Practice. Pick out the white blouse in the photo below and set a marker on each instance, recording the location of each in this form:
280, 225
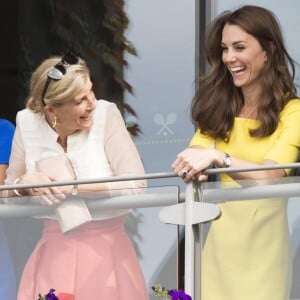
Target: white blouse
104, 150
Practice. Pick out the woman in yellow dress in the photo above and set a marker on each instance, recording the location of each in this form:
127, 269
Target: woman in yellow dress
247, 107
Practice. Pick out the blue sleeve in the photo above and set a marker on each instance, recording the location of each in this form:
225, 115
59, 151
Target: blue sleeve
7, 130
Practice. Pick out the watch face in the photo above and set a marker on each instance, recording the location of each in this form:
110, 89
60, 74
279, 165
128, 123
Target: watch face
227, 161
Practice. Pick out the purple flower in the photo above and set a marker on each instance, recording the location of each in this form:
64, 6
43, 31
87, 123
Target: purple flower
51, 295
179, 295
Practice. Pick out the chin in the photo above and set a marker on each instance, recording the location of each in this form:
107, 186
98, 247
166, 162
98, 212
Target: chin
86, 125
238, 84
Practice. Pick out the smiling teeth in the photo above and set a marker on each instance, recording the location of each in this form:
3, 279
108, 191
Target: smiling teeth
237, 69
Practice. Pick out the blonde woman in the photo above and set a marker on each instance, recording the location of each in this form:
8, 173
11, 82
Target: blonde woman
63, 119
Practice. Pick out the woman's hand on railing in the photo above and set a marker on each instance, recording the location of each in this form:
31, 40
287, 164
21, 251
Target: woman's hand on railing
44, 195
191, 163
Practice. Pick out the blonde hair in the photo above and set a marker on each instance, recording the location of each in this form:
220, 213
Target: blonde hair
58, 91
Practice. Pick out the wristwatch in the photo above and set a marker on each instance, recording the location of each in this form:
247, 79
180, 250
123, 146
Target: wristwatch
227, 161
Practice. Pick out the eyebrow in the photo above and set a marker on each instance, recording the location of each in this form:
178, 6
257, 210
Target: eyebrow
235, 43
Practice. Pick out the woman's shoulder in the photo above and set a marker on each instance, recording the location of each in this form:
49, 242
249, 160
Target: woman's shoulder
25, 112
292, 106
105, 103
105, 106
27, 115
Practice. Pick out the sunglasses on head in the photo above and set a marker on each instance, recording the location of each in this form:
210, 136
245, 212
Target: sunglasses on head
59, 70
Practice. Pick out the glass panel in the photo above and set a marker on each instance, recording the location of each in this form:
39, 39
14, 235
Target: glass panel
245, 216
155, 243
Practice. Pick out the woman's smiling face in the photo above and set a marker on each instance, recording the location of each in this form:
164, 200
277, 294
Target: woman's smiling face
243, 56
76, 114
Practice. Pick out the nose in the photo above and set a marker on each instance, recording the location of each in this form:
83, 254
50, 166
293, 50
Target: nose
229, 56
91, 101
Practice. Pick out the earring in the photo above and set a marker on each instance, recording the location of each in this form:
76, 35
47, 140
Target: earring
54, 122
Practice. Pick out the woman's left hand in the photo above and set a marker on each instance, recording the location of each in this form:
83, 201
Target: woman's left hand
44, 195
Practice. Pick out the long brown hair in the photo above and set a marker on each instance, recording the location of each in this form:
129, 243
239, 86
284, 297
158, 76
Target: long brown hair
218, 101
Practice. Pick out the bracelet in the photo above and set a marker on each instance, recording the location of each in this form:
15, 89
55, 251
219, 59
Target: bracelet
16, 192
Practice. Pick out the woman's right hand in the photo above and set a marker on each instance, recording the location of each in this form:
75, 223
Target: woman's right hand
191, 163
44, 195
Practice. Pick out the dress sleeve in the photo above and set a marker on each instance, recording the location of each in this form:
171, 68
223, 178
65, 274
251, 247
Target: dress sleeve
121, 152
286, 147
202, 140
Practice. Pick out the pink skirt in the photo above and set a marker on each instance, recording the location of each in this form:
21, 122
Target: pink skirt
95, 261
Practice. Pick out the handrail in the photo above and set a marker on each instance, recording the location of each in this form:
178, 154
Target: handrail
215, 195
284, 190
116, 202
89, 181
159, 175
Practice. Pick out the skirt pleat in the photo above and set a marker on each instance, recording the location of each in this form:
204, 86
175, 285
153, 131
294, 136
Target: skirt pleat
95, 261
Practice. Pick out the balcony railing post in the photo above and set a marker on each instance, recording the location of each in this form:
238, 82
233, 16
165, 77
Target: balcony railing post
189, 241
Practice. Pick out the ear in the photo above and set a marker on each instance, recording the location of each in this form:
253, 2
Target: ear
48, 110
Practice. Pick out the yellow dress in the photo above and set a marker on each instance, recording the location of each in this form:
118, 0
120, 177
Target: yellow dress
246, 255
